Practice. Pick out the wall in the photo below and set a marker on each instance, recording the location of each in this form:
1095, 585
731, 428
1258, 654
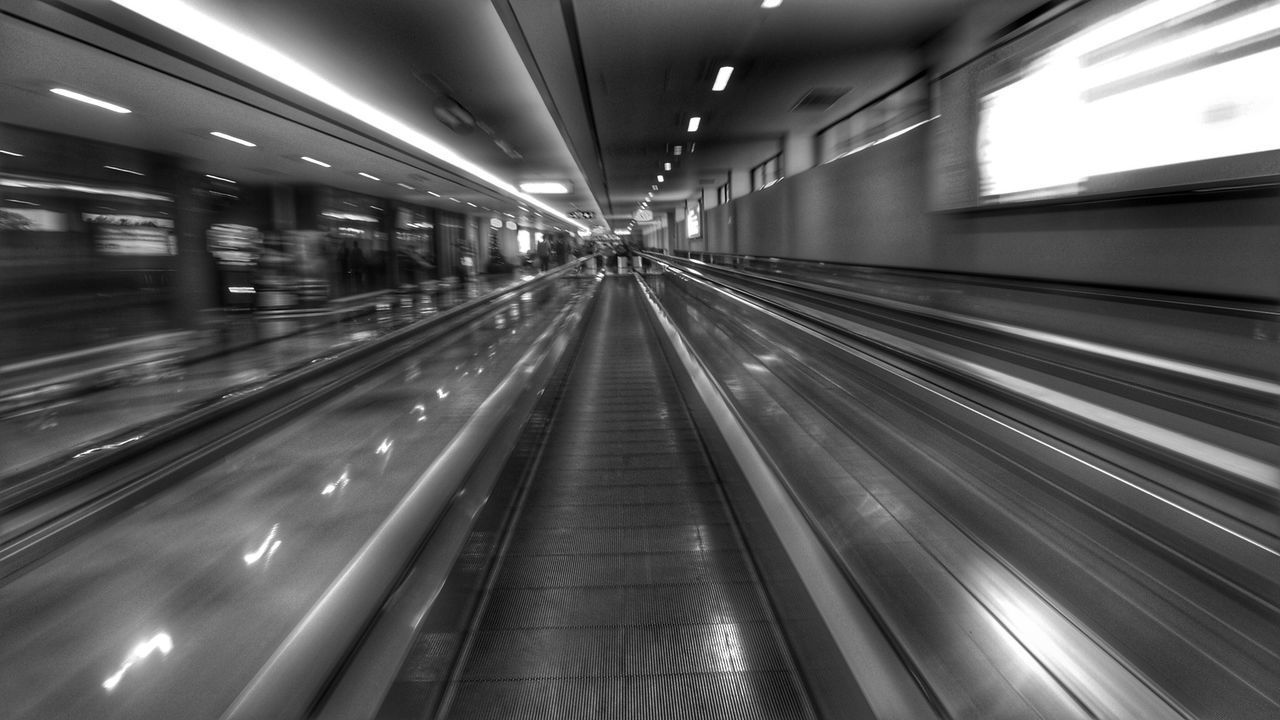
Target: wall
869, 209
874, 208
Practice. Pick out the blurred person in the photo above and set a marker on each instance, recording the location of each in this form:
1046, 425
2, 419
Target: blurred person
544, 255
355, 264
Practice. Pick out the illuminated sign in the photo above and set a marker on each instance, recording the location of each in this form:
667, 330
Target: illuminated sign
131, 234
1160, 84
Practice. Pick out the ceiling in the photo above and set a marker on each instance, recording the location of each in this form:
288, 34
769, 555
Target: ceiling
592, 93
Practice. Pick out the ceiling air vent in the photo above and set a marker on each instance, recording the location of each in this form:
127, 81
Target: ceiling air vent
820, 98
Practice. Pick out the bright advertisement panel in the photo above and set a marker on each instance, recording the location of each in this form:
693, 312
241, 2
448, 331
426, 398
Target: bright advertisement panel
1165, 82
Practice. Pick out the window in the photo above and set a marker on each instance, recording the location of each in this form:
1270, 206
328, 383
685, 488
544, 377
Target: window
903, 108
766, 173
722, 194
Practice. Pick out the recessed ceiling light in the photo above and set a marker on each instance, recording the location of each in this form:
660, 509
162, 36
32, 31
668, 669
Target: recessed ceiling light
661, 179
544, 188
678, 150
666, 166
722, 78
90, 100
371, 177
232, 138
694, 123
314, 161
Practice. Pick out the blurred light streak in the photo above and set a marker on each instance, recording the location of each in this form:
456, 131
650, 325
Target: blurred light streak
124, 170
266, 549
161, 642
85, 189
338, 484
109, 446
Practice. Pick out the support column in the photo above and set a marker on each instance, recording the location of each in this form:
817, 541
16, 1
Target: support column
195, 272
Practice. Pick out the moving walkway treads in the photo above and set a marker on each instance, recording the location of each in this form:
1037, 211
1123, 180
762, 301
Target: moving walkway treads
624, 590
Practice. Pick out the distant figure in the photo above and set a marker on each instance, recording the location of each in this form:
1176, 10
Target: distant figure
355, 261
544, 256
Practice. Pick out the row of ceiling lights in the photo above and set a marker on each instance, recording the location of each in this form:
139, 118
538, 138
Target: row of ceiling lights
120, 109
183, 18
695, 122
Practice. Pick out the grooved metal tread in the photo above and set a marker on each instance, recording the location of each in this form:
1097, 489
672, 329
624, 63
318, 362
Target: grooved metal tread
624, 590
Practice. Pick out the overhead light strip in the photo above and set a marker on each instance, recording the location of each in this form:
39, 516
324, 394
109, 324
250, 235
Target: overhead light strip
13, 154
232, 138
186, 20
72, 94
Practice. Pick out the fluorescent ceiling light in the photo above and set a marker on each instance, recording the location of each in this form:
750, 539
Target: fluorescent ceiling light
678, 150
215, 177
666, 166
433, 194
694, 122
406, 187
544, 188
770, 3
123, 170
314, 161
232, 138
22, 202
181, 17
90, 100
14, 154
371, 177
722, 78
661, 179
